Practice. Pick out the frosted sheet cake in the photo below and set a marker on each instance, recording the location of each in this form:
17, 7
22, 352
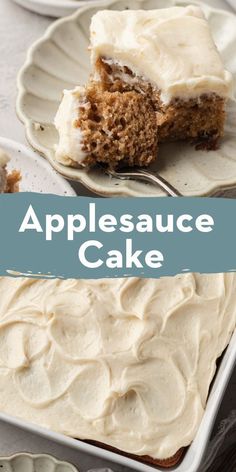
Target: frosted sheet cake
167, 60
124, 362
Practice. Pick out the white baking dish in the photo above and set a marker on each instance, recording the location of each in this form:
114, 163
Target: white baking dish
195, 452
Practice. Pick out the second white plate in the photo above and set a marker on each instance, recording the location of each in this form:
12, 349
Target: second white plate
61, 60
56, 8
37, 175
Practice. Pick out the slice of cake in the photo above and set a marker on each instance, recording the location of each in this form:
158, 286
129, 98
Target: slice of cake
9, 182
170, 56
97, 126
156, 76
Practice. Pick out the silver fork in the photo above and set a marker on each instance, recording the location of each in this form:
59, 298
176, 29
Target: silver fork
141, 174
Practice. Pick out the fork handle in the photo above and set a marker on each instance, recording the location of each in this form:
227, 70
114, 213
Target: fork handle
156, 179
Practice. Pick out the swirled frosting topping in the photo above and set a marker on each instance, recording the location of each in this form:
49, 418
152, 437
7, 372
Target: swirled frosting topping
172, 48
127, 362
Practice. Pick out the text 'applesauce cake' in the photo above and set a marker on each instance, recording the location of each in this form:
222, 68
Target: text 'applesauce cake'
9, 181
156, 76
124, 362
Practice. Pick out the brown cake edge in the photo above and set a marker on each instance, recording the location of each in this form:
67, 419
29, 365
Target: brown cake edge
166, 463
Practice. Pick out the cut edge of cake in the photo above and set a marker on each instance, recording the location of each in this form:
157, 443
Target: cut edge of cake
100, 126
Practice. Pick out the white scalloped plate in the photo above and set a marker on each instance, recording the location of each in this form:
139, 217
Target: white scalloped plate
60, 60
56, 8
34, 463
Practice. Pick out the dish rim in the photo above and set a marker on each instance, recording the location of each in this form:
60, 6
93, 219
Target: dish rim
64, 3
195, 451
32, 455
214, 188
53, 9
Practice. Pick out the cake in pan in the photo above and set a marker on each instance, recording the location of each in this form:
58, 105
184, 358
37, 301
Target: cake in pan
123, 362
148, 66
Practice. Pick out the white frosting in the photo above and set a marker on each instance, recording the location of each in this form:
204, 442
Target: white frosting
127, 362
172, 48
69, 147
4, 158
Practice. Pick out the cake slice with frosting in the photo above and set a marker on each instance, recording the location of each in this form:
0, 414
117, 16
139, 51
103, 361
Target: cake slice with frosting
156, 76
170, 56
111, 128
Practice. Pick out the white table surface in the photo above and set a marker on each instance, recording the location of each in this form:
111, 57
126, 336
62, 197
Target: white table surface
18, 29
